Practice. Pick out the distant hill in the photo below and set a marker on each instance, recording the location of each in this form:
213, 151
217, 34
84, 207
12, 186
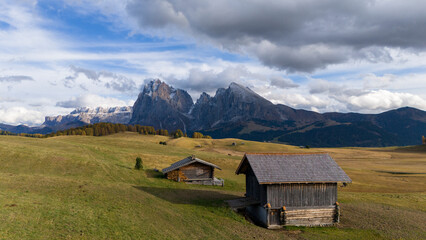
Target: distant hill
25, 129
239, 112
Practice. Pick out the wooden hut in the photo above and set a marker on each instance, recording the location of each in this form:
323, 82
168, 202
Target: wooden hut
292, 189
193, 170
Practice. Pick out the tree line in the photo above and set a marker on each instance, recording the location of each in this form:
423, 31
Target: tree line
104, 129
35, 135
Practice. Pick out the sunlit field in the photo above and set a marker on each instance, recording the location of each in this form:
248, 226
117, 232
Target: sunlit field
80, 187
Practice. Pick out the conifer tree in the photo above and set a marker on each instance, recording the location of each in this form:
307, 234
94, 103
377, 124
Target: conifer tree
139, 164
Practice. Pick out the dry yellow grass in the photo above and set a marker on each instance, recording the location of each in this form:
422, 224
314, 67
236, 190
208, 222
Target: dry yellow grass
77, 187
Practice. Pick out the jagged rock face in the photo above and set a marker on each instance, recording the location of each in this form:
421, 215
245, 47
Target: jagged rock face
162, 106
239, 112
81, 116
236, 103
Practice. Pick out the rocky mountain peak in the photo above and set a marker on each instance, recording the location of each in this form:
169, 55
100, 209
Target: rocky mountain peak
242, 93
237, 111
204, 97
157, 88
162, 106
238, 87
233, 104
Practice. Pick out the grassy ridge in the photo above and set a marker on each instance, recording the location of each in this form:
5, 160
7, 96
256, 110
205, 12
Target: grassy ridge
76, 187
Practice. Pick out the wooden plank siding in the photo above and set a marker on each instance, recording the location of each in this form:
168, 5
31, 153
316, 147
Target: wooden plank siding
197, 171
306, 216
253, 189
302, 194
252, 185
292, 189
310, 217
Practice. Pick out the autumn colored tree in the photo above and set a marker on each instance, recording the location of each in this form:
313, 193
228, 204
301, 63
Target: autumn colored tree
197, 135
178, 133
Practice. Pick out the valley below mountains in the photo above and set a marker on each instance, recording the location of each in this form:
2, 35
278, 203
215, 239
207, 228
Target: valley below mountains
239, 112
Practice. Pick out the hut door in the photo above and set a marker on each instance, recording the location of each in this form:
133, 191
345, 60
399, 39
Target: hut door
274, 217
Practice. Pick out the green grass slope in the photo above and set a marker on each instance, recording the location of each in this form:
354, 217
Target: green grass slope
78, 187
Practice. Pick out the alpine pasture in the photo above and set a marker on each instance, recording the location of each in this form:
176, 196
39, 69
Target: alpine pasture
81, 187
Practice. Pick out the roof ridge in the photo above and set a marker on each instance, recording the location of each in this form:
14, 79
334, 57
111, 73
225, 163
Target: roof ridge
277, 168
311, 153
186, 161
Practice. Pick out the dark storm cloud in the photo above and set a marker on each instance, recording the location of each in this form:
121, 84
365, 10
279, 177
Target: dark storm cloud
300, 35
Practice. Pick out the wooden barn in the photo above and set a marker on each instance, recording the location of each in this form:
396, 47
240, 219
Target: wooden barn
193, 170
292, 189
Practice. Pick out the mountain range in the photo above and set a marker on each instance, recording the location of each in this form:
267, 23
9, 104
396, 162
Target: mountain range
239, 112
78, 117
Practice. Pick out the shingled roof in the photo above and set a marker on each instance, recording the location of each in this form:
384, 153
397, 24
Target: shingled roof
187, 161
270, 168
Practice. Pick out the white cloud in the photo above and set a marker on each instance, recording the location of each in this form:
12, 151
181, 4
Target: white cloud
283, 83
210, 80
296, 100
384, 100
91, 101
366, 96
37, 53
17, 78
321, 86
20, 115
207, 79
110, 80
372, 81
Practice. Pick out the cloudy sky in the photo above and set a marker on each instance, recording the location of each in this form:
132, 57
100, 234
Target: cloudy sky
364, 56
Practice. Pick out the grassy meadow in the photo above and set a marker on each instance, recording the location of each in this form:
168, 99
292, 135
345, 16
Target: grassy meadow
80, 187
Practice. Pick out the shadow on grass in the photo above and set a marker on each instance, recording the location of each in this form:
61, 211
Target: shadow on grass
123, 166
416, 148
398, 173
151, 173
208, 198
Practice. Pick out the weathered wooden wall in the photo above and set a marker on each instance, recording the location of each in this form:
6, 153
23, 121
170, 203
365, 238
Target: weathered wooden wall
310, 217
302, 194
304, 216
306, 204
252, 185
254, 189
197, 171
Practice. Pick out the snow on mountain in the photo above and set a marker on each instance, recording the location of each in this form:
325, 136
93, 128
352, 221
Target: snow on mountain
87, 115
